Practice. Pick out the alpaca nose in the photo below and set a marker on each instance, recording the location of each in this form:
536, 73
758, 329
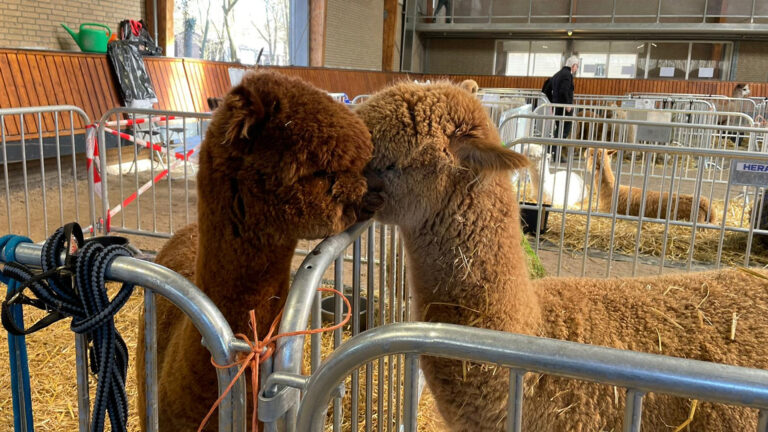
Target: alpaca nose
374, 180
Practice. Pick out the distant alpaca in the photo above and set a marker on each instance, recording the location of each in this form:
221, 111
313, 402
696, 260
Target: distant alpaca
630, 200
470, 85
741, 91
446, 187
553, 183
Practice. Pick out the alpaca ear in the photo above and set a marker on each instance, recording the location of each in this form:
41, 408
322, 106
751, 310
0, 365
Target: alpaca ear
611, 152
244, 110
483, 156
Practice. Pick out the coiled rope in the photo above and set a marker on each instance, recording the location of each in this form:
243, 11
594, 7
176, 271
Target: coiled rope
77, 290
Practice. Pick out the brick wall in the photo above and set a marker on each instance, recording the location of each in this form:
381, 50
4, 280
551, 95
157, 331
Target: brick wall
37, 23
354, 31
752, 62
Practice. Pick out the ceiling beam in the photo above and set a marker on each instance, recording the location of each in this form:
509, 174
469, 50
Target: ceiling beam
633, 31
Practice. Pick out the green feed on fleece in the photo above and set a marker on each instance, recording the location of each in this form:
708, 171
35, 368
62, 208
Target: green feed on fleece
535, 269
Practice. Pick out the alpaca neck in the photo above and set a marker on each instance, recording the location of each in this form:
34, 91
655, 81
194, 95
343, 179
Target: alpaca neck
466, 263
241, 273
605, 184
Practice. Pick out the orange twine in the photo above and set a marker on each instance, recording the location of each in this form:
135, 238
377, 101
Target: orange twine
256, 357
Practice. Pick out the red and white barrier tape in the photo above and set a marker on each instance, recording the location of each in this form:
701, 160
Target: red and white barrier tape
131, 122
92, 160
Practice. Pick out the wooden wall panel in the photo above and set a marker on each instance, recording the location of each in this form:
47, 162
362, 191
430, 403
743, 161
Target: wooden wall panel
206, 79
40, 78
31, 78
170, 83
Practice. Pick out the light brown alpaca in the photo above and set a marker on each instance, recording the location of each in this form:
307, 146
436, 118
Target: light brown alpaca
446, 186
470, 85
630, 200
280, 161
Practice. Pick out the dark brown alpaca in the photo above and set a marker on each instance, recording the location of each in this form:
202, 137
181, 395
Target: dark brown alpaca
281, 161
630, 199
446, 186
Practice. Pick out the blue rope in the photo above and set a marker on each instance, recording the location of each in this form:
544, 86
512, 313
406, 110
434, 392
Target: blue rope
17, 345
77, 290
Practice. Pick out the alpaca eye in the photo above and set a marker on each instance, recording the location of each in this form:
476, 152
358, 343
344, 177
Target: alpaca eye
320, 174
390, 167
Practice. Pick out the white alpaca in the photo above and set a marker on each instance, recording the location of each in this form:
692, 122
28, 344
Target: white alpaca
552, 184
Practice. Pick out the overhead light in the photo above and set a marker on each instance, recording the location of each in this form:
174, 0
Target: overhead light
570, 32
544, 46
640, 46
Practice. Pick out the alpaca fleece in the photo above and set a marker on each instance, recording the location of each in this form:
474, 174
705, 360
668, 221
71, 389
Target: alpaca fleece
630, 199
280, 161
446, 186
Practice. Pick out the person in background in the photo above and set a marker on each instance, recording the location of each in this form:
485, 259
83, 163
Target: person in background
562, 93
443, 4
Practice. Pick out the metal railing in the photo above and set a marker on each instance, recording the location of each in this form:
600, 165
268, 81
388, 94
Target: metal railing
162, 148
639, 373
696, 172
376, 283
44, 136
217, 335
499, 11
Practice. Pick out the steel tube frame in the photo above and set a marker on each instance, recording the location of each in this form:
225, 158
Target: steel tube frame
276, 400
101, 133
201, 311
639, 372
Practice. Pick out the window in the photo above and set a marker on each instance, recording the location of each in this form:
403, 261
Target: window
547, 57
618, 59
529, 58
517, 64
545, 64
593, 65
709, 61
668, 60
201, 30
622, 66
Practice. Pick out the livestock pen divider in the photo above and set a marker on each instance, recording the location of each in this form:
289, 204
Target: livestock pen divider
654, 166
172, 154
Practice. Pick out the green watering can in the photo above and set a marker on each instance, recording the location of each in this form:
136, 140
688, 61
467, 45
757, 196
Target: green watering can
89, 39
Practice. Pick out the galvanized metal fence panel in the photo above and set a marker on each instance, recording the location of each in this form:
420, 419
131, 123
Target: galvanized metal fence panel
639, 373
599, 100
369, 259
748, 106
373, 278
148, 160
680, 180
45, 174
383, 399
217, 336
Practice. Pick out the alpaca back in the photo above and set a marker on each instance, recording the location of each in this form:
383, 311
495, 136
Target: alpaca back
693, 320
